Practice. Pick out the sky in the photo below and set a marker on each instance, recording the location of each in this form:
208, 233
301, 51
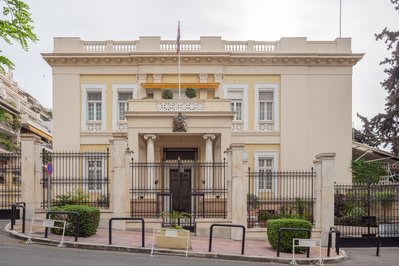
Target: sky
260, 20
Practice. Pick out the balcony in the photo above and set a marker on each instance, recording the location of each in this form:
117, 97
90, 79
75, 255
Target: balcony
154, 105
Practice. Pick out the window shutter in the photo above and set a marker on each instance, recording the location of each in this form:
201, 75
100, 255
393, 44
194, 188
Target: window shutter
94, 96
266, 96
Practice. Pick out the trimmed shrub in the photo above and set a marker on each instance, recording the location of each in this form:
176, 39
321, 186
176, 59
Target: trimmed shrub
286, 237
89, 220
190, 93
167, 94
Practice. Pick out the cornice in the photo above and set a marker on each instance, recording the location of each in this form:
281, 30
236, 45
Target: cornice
200, 59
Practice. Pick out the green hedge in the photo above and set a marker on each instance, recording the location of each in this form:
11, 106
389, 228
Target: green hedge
286, 237
89, 219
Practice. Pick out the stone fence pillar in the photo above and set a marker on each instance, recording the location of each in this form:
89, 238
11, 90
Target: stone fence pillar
31, 173
239, 187
324, 193
119, 179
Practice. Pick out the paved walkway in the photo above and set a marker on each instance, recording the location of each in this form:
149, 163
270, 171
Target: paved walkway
256, 250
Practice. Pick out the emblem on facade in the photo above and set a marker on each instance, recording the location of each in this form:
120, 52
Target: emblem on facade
179, 123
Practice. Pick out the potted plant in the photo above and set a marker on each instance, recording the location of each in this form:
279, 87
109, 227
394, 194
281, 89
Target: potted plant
173, 236
167, 94
190, 93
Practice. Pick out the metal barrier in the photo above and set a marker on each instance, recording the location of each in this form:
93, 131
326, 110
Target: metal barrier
77, 220
14, 208
126, 219
337, 233
228, 225
291, 229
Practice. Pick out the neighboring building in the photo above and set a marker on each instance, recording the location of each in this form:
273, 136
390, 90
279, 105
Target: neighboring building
287, 100
389, 161
21, 113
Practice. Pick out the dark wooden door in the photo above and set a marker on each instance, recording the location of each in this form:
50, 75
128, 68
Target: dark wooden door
180, 188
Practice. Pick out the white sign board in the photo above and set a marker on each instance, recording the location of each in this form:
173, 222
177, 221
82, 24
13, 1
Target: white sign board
307, 243
48, 223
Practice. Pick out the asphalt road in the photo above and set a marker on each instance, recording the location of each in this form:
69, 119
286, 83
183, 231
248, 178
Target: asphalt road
14, 252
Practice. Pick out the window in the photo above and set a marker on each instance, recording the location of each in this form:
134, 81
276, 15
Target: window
121, 94
236, 106
123, 98
265, 173
95, 175
266, 106
238, 93
150, 93
266, 163
94, 106
266, 117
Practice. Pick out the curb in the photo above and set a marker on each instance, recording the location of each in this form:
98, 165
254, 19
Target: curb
342, 257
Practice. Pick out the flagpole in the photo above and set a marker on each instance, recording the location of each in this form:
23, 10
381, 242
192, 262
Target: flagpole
178, 52
179, 73
340, 17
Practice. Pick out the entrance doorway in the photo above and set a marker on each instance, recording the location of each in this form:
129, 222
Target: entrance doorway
180, 180
180, 188
180, 177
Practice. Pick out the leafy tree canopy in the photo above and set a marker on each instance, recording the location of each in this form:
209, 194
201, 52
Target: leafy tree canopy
15, 25
385, 126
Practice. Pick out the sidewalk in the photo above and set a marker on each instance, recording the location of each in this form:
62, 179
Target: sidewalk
255, 250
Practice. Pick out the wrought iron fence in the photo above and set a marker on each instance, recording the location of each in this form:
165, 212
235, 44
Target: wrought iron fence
196, 188
279, 194
80, 178
10, 181
367, 210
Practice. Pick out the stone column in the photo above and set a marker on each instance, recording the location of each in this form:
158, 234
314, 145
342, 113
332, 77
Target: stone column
119, 187
150, 147
31, 173
150, 160
239, 189
324, 194
208, 159
208, 147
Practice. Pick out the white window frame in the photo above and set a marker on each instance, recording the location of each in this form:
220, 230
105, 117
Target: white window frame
116, 88
266, 155
86, 173
243, 88
267, 87
235, 104
86, 88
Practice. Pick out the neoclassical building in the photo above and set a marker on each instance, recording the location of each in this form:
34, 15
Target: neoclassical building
286, 100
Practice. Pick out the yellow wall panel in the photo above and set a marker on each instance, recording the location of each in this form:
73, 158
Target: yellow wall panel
251, 80
93, 147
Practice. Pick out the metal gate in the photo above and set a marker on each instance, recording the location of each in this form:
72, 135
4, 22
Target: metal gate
78, 178
279, 194
366, 213
10, 182
196, 188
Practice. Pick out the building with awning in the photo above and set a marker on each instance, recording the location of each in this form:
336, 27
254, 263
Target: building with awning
390, 162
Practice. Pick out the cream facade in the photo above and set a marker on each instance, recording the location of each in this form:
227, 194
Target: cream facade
287, 101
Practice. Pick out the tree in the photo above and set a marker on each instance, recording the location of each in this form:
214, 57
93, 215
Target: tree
386, 125
366, 135
15, 25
